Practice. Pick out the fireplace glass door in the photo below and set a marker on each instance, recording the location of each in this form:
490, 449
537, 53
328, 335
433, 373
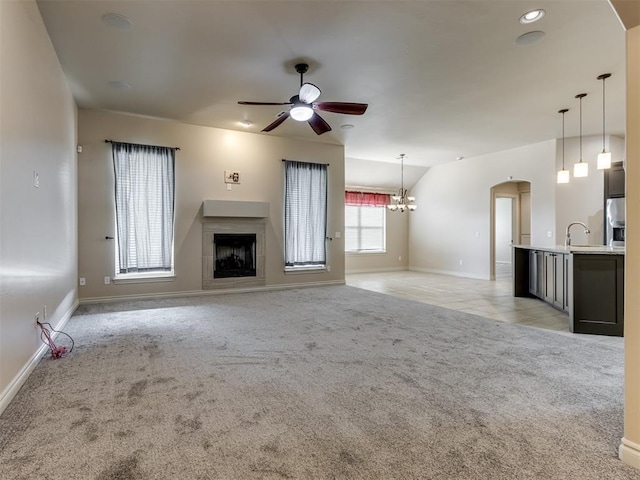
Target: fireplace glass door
235, 255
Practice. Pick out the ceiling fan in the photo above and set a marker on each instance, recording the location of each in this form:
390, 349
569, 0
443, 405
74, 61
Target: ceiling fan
304, 103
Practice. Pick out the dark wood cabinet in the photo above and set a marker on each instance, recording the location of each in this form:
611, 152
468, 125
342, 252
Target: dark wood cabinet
598, 294
559, 291
614, 181
554, 279
549, 277
587, 286
567, 277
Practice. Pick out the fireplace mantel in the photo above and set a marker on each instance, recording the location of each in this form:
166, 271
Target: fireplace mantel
235, 209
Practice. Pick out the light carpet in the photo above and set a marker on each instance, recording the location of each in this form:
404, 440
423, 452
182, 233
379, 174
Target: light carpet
315, 383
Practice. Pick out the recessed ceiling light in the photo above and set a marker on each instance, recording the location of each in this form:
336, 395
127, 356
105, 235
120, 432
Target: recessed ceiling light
118, 85
529, 38
532, 16
459, 158
116, 20
346, 126
246, 123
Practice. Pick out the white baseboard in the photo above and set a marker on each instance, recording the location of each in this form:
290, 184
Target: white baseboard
200, 293
629, 453
15, 385
374, 270
477, 276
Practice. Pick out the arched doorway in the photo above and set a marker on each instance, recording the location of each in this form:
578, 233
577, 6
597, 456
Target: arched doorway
510, 224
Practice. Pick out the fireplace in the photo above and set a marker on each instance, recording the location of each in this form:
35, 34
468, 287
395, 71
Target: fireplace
233, 252
235, 255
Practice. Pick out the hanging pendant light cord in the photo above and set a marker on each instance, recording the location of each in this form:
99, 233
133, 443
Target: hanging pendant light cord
402, 173
563, 112
603, 130
580, 129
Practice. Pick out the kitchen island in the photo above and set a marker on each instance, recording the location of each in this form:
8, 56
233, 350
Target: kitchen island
586, 282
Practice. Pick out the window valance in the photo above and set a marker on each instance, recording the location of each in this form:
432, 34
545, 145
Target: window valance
367, 199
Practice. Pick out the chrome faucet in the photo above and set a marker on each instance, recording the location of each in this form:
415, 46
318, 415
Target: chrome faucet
567, 237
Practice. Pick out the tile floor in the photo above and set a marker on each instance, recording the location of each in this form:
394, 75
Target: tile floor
489, 299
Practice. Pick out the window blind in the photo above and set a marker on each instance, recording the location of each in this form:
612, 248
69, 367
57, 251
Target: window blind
305, 214
365, 228
144, 198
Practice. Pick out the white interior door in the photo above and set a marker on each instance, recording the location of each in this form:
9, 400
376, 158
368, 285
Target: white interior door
504, 229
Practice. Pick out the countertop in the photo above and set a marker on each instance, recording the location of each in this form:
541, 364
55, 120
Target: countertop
577, 249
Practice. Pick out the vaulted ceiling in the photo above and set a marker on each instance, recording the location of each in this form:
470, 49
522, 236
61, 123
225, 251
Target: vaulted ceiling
443, 79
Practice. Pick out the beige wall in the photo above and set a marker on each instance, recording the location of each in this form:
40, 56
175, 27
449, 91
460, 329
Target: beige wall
38, 242
396, 256
205, 154
453, 223
630, 448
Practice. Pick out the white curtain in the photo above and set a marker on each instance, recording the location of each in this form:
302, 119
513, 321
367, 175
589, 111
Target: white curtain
145, 185
305, 219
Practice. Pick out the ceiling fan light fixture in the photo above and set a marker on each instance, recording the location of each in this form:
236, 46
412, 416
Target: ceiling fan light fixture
301, 113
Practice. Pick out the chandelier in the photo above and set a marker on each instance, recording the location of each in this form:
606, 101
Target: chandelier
401, 201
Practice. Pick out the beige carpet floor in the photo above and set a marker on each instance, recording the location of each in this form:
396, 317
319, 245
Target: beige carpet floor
318, 383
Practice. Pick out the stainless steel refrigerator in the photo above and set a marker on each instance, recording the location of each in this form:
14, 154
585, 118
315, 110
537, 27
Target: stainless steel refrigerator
615, 222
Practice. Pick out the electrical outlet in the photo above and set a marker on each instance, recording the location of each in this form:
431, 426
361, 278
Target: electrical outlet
83, 281
338, 235
460, 261
107, 280
399, 258
328, 268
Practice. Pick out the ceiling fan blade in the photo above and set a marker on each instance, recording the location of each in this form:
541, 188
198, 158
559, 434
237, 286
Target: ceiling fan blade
264, 103
277, 122
318, 124
309, 93
342, 107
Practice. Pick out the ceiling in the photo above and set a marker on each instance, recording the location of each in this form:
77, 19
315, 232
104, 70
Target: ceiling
443, 79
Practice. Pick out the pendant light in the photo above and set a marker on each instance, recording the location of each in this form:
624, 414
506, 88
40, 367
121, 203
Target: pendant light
401, 201
604, 158
581, 169
563, 175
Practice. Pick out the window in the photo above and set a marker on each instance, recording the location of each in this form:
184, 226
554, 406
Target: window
305, 214
144, 198
365, 222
